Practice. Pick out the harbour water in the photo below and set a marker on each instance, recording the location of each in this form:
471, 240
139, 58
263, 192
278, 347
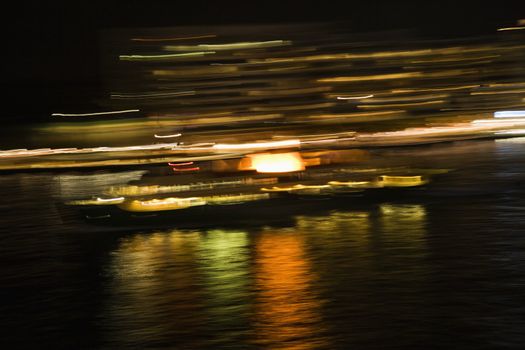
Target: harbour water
446, 271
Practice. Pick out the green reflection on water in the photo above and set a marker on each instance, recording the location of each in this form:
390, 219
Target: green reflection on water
224, 267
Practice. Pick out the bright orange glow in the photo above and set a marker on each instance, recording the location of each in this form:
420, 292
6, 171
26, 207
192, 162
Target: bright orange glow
287, 310
277, 162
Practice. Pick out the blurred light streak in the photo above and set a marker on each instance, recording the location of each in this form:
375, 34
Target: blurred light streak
352, 184
231, 46
511, 140
401, 105
94, 114
163, 57
174, 203
46, 151
515, 84
161, 204
98, 201
167, 136
445, 88
175, 39
498, 92
133, 190
293, 107
354, 97
180, 164
185, 169
306, 88
501, 121
509, 114
511, 132
152, 95
412, 98
347, 56
235, 198
372, 77
401, 181
176, 167
110, 200
289, 91
510, 28
296, 187
455, 59
191, 72
270, 144
367, 116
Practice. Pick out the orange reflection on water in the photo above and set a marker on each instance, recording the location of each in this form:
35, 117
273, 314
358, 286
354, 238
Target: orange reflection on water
287, 310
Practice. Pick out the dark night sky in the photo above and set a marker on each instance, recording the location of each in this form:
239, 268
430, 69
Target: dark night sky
53, 45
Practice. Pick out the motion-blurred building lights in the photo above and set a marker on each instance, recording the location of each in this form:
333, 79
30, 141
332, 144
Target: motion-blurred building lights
277, 162
509, 114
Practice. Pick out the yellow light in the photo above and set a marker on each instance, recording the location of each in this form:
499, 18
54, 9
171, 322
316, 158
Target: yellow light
398, 105
372, 77
402, 181
510, 28
353, 184
161, 204
98, 201
277, 162
235, 198
231, 46
354, 97
269, 144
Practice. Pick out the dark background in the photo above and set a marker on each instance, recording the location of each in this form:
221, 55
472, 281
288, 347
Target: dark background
51, 60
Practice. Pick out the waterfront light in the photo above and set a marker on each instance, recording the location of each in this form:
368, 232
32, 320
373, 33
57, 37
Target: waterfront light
277, 162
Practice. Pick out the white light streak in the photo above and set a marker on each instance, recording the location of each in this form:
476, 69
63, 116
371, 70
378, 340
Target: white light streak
354, 97
509, 114
272, 144
510, 28
167, 136
93, 114
110, 199
163, 57
511, 132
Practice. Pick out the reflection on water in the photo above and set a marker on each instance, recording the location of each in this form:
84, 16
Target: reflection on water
179, 284
261, 287
444, 271
404, 224
224, 266
287, 311
358, 255
154, 296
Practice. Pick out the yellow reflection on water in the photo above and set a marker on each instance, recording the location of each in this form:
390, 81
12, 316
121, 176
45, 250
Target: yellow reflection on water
355, 223
153, 289
404, 224
348, 233
403, 212
287, 311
